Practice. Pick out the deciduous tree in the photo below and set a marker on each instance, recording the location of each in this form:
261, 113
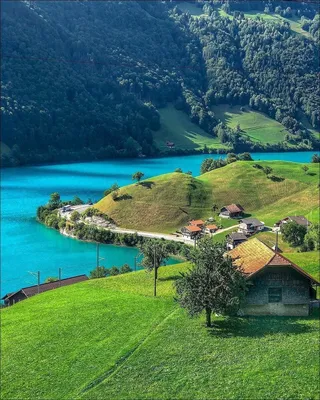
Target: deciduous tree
155, 253
137, 176
213, 284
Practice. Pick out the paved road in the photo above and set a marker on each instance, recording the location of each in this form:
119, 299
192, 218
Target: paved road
174, 238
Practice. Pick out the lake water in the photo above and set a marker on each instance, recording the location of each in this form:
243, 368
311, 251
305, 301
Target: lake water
28, 246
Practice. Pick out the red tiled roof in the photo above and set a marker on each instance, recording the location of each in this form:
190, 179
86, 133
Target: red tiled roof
192, 228
196, 222
211, 227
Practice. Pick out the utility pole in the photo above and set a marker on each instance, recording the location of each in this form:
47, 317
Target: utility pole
60, 273
277, 241
155, 273
98, 255
37, 275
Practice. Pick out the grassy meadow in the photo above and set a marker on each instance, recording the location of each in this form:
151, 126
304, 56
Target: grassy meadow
110, 338
167, 202
177, 127
255, 125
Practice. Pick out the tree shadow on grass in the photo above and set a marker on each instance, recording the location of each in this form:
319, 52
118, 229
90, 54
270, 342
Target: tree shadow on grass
169, 278
146, 184
274, 178
124, 196
261, 326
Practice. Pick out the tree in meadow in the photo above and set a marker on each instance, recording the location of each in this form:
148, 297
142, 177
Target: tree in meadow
155, 253
213, 284
137, 176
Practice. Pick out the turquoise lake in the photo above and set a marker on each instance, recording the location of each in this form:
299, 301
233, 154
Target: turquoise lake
28, 246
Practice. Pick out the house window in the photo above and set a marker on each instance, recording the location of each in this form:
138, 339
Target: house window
275, 295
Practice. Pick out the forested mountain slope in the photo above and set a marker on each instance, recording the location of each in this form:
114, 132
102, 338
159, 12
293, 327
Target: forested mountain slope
84, 80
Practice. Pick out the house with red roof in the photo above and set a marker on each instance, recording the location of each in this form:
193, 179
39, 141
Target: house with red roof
277, 286
191, 232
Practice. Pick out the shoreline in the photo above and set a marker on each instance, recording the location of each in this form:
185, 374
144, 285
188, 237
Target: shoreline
221, 152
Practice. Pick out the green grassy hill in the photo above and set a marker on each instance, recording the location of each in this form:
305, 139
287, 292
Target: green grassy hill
111, 339
165, 203
177, 127
255, 125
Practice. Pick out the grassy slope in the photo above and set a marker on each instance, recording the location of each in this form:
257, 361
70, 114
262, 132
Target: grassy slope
164, 207
176, 127
258, 126
55, 344
270, 201
159, 204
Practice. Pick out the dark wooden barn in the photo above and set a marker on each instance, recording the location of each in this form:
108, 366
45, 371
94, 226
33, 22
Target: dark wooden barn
277, 286
24, 293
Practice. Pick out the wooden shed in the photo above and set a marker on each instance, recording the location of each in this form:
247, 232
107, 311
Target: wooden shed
277, 286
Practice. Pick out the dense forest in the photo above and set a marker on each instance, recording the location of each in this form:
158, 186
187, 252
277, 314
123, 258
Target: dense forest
84, 80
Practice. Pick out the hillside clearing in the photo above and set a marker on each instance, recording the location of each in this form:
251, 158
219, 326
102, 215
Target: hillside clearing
111, 339
294, 22
176, 127
256, 125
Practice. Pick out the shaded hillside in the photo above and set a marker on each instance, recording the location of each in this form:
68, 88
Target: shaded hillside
84, 80
165, 203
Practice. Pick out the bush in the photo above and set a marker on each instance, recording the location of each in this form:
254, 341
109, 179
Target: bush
114, 271
99, 272
75, 216
125, 269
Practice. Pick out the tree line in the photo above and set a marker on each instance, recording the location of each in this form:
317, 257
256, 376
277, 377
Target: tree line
75, 87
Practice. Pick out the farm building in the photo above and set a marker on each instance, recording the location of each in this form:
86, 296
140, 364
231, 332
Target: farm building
277, 286
210, 228
24, 293
300, 220
191, 232
234, 239
249, 226
231, 211
197, 222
